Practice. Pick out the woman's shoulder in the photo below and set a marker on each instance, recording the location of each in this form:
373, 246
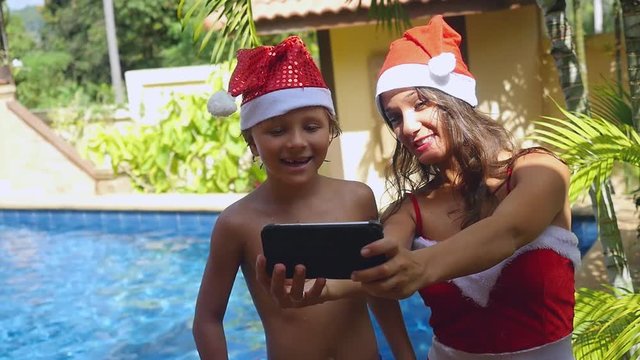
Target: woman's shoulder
535, 152
537, 155
537, 164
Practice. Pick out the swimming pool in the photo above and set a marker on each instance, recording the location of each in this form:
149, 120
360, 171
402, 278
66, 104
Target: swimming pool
122, 285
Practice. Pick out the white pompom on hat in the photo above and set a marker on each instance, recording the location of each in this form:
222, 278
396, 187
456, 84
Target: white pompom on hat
274, 80
428, 56
221, 103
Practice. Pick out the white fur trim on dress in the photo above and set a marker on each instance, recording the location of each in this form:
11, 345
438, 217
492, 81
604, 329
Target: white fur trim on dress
557, 350
418, 75
281, 102
478, 286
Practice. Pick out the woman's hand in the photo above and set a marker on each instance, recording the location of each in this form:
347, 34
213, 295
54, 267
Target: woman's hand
290, 293
399, 277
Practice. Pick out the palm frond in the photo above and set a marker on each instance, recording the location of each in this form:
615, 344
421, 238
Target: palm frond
611, 101
606, 324
590, 145
390, 14
238, 29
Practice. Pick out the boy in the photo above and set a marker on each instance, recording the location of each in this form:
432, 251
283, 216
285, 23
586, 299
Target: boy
288, 120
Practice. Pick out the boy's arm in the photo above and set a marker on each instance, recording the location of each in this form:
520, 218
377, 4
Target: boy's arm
389, 317
222, 265
387, 311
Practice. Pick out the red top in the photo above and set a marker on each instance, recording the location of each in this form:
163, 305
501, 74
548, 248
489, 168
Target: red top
530, 304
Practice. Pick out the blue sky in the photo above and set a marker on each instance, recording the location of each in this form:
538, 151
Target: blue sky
19, 4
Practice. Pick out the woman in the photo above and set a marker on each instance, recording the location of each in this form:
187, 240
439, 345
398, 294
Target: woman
489, 224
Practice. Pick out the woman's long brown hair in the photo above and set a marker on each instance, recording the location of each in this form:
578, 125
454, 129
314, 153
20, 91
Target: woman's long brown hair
474, 140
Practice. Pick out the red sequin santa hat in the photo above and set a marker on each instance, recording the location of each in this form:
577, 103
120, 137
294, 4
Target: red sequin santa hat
274, 80
428, 55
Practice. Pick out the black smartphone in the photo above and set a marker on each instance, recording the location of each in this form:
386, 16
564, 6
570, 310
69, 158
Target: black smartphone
327, 250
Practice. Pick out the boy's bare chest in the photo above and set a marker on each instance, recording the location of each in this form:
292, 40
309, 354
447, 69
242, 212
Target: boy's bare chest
309, 213
317, 211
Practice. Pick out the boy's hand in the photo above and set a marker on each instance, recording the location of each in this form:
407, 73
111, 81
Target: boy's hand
289, 293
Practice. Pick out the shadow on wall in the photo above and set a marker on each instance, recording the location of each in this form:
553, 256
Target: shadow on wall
381, 141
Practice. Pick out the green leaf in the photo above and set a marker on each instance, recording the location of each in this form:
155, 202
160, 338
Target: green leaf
606, 325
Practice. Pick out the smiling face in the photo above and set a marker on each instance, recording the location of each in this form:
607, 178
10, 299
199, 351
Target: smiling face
293, 146
419, 124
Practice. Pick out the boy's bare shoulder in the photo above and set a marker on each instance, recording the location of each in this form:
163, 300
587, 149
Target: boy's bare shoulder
355, 188
235, 216
355, 194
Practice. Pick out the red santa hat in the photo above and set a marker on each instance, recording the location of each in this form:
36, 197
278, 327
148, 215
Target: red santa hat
428, 56
273, 80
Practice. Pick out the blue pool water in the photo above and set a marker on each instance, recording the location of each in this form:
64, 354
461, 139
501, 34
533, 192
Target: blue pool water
122, 285
586, 229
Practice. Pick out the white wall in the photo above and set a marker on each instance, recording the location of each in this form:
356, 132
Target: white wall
149, 90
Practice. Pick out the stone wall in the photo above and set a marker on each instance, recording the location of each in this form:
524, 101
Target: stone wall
34, 161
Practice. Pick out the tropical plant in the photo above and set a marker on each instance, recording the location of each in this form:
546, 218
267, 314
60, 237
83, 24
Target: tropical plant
75, 121
591, 145
576, 98
239, 29
630, 19
188, 151
607, 324
41, 82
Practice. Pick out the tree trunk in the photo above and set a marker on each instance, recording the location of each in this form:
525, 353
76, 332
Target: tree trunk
5, 70
631, 24
581, 56
615, 259
575, 96
617, 26
564, 55
114, 55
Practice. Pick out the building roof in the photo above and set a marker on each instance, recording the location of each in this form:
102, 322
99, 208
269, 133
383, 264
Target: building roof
276, 16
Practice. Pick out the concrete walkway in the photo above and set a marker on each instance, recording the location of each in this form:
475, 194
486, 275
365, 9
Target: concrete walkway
592, 273
123, 202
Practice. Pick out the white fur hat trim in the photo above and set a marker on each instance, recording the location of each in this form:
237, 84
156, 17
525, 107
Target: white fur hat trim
282, 101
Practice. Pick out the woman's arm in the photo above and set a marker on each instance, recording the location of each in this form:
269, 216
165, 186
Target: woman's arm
400, 227
222, 266
538, 199
299, 291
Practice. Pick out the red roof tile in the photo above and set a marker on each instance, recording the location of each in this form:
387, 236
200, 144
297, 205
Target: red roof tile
284, 15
